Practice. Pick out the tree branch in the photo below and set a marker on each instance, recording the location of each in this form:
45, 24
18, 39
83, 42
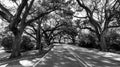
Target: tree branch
83, 6
39, 16
20, 8
4, 16
5, 10
29, 34
79, 17
89, 13
113, 26
88, 29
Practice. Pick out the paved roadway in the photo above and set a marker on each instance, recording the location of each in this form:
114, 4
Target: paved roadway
67, 56
60, 56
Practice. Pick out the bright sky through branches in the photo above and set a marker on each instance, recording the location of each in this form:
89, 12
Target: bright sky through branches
7, 3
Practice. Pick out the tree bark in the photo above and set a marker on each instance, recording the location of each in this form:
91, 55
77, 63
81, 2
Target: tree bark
16, 46
59, 39
38, 36
103, 44
48, 41
73, 40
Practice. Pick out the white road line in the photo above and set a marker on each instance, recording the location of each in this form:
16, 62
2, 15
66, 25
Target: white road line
85, 65
78, 58
41, 59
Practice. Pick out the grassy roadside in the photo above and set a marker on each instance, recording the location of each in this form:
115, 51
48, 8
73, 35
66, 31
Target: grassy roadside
26, 55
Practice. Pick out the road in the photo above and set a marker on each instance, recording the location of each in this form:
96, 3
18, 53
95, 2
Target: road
59, 56
63, 55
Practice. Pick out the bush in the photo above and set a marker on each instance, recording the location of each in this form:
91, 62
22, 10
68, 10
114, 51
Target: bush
88, 42
7, 42
26, 44
113, 41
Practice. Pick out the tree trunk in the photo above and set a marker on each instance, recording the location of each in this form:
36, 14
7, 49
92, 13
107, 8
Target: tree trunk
37, 42
16, 46
48, 41
59, 39
103, 43
16, 52
73, 40
38, 39
38, 36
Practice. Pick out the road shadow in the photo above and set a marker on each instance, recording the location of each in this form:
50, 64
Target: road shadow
59, 57
95, 58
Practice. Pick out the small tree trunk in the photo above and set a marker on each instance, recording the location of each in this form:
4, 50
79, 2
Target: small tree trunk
38, 36
73, 40
59, 39
16, 46
103, 41
38, 39
16, 52
48, 41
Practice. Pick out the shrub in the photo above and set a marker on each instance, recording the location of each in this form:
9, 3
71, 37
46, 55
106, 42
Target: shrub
88, 41
26, 44
7, 42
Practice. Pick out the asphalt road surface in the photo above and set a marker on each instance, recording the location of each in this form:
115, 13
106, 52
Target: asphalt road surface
63, 55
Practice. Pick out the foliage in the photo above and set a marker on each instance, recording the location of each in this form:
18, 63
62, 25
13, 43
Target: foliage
88, 41
113, 40
100, 18
26, 43
7, 42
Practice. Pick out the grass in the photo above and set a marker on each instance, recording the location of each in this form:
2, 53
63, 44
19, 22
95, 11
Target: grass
25, 55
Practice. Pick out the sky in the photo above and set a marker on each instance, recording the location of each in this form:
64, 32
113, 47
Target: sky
9, 3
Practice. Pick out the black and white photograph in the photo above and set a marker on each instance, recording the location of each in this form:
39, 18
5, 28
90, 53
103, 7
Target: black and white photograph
59, 33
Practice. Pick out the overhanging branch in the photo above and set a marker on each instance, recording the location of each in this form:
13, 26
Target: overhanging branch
88, 29
39, 16
30, 34
113, 26
5, 10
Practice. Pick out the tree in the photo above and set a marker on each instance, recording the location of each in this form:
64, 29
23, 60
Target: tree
19, 20
47, 33
100, 18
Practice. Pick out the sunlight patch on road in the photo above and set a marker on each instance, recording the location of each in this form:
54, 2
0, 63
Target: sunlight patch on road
88, 58
36, 59
118, 59
110, 55
4, 65
2, 51
95, 56
42, 63
62, 62
106, 61
48, 57
56, 65
43, 59
72, 59
26, 63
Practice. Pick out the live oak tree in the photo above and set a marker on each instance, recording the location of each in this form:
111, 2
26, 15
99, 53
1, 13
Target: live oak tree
19, 20
37, 31
100, 15
17, 24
